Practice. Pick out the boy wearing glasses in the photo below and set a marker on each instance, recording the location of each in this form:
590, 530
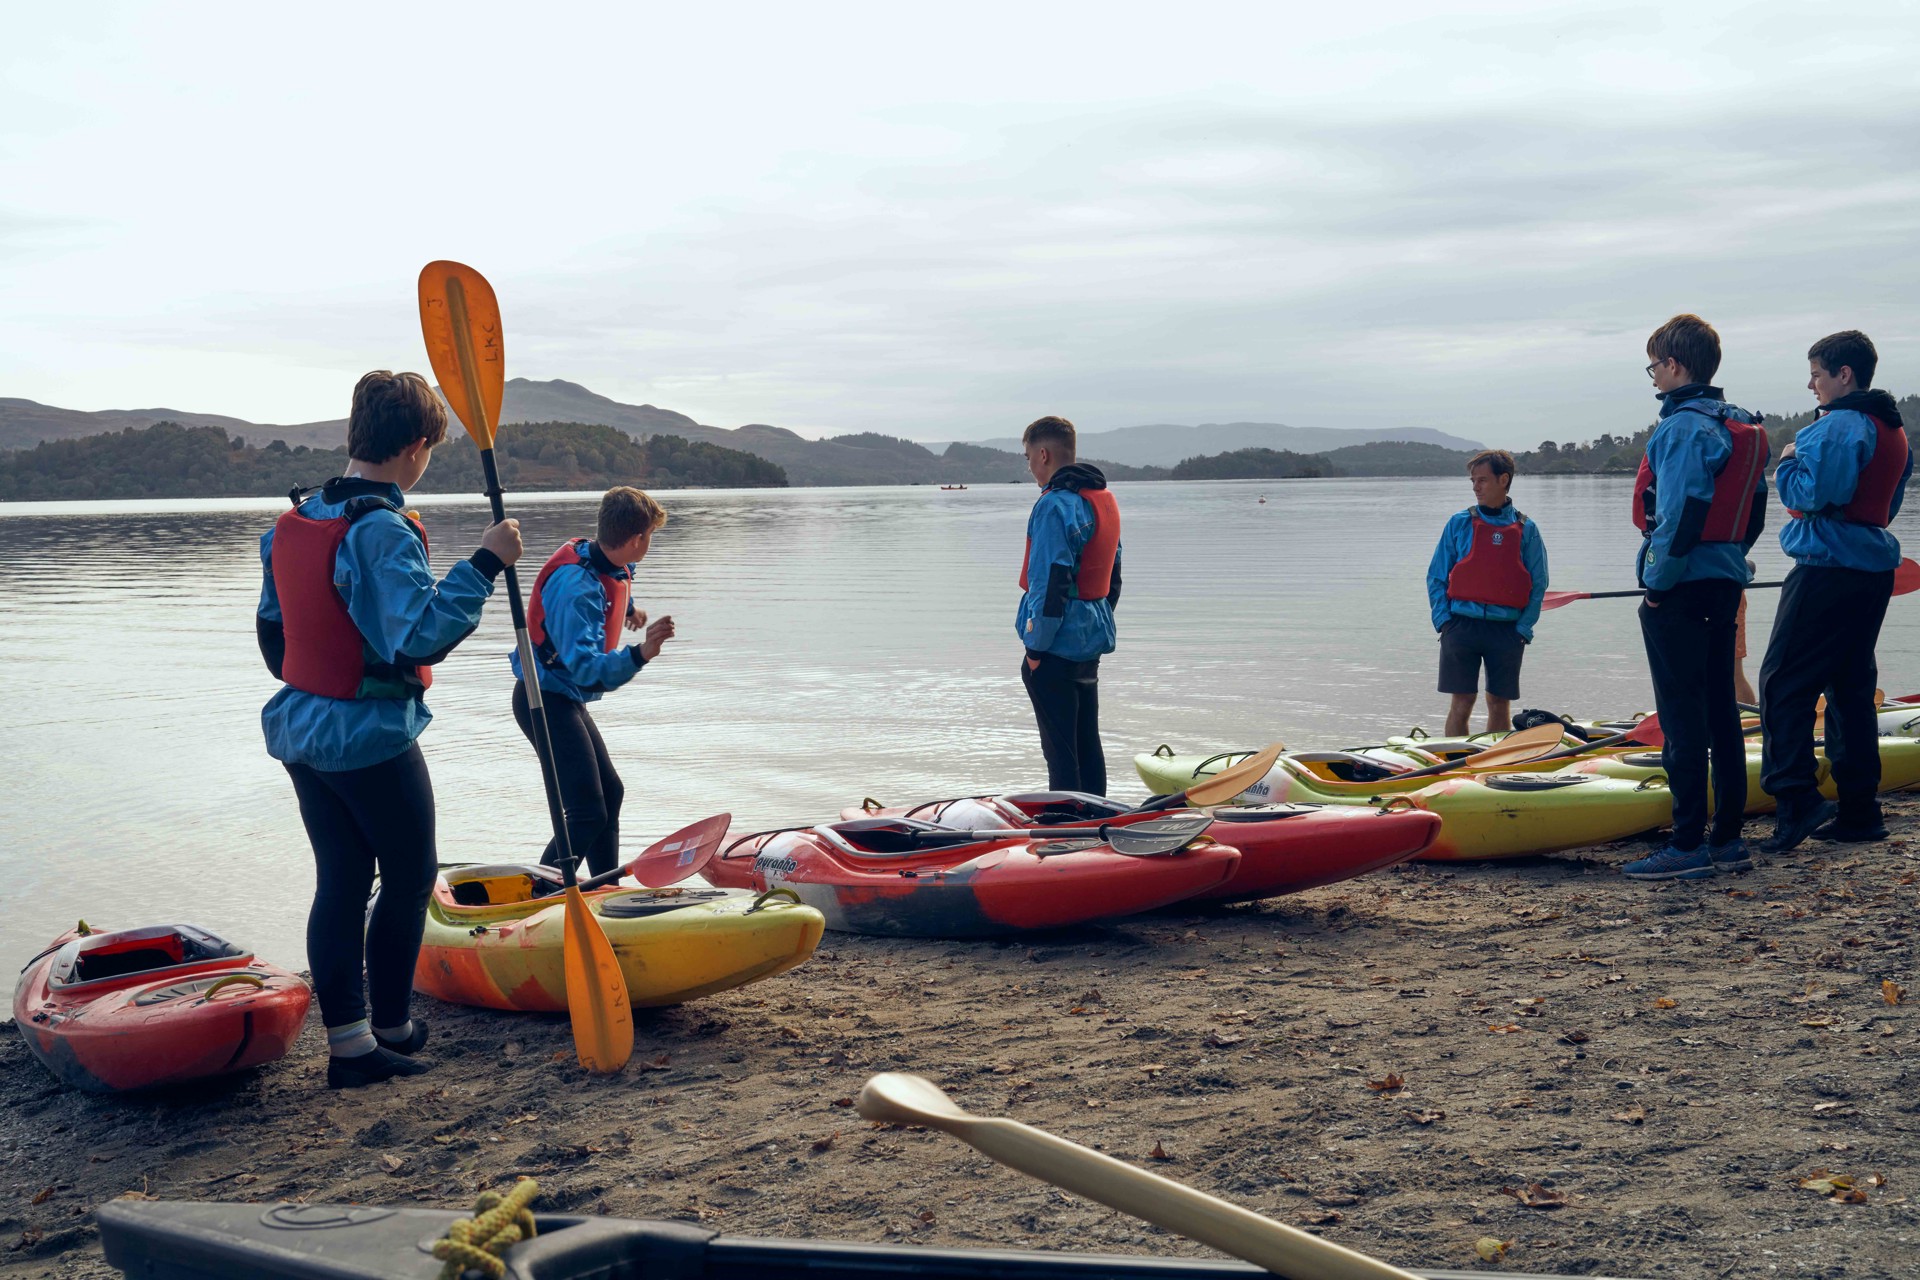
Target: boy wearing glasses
1700, 502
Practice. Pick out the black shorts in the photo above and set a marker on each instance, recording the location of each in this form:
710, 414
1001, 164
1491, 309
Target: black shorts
1467, 642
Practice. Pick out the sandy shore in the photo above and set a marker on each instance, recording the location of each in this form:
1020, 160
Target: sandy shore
1396, 1061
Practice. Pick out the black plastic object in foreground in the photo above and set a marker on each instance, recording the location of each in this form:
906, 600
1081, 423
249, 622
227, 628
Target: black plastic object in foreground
202, 1241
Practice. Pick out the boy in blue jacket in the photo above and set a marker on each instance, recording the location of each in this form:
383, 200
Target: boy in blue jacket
1070, 583
351, 618
1484, 586
1842, 479
1700, 502
579, 603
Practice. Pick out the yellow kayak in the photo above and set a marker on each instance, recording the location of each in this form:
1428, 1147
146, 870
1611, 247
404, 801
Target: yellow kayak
490, 942
1492, 815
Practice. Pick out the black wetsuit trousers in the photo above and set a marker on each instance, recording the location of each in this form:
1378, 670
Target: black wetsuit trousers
1689, 640
1066, 702
363, 821
1822, 643
590, 791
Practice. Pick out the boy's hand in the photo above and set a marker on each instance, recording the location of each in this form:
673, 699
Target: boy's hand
1786, 451
503, 539
657, 634
636, 618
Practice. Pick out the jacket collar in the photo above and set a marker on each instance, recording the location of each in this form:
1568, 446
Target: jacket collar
1672, 401
1076, 476
1873, 402
344, 489
601, 565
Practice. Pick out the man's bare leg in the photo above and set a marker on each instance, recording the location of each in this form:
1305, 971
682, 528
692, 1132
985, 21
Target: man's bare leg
1499, 714
1459, 712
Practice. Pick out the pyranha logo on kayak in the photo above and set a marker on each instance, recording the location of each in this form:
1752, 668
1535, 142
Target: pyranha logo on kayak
769, 864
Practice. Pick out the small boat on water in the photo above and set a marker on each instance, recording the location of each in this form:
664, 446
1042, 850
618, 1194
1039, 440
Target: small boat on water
184, 1240
950, 488
162, 1005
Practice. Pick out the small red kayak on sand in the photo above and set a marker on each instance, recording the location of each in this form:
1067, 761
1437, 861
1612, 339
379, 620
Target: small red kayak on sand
1284, 848
904, 878
137, 1008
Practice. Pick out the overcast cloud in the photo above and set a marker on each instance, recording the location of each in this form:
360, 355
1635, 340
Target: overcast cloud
940, 223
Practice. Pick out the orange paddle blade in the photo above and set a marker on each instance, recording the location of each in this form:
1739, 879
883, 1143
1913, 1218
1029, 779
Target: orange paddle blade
460, 319
596, 991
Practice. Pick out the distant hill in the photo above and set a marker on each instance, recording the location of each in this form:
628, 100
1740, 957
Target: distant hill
1253, 464
1164, 444
1398, 458
175, 461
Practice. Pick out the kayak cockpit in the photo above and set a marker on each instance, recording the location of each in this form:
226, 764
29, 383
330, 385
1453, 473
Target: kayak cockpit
150, 952
502, 883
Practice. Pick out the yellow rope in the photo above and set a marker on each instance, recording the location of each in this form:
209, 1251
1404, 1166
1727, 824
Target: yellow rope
474, 1244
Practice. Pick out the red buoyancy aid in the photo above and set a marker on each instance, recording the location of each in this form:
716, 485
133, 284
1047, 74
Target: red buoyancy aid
1872, 501
1492, 571
1733, 488
1095, 578
325, 652
615, 588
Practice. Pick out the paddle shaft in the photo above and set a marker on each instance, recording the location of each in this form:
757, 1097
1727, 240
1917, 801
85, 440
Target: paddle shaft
1281, 1249
530, 678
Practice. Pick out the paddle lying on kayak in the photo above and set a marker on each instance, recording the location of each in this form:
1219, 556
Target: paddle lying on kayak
1149, 839
1906, 579
672, 859
1222, 786
460, 320
899, 1098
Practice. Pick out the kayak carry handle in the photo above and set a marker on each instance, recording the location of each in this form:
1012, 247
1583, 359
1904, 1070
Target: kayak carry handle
761, 900
245, 979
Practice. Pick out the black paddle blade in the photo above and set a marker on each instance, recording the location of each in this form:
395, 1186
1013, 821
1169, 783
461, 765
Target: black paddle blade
1158, 836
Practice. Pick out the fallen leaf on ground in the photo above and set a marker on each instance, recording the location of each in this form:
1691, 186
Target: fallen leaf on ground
1632, 1115
1666, 1002
793, 1033
1154, 1068
926, 1216
1320, 1217
1576, 1037
135, 1195
1215, 1040
826, 1143
1391, 1082
843, 1102
1536, 1196
1158, 1153
1426, 1117
1503, 1029
393, 1163
654, 1064
1817, 1022
1490, 1248
45, 1194
1875, 1180
1891, 991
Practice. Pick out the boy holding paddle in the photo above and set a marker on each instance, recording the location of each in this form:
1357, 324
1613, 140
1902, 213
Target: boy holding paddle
579, 603
1842, 479
1700, 502
352, 620
1485, 584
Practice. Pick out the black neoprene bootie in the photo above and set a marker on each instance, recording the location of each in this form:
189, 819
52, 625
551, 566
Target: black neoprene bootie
1854, 824
414, 1043
371, 1068
1799, 815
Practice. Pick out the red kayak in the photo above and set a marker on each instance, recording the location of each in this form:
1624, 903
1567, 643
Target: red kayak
904, 878
1284, 848
108, 1012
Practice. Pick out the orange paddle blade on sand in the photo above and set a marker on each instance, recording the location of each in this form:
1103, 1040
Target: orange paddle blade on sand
460, 319
596, 991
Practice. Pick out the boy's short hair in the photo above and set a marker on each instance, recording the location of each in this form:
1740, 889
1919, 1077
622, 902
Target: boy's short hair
1691, 341
1499, 461
1054, 433
1850, 349
391, 411
625, 514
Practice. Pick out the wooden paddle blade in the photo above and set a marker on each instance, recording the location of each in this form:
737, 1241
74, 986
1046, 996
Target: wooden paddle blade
682, 854
460, 319
895, 1097
596, 991
1519, 747
1228, 783
1156, 837
1554, 599
1906, 578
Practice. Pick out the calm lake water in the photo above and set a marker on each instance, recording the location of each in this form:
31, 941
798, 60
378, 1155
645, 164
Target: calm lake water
833, 644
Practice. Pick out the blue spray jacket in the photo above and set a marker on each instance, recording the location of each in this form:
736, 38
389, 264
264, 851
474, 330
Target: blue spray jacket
576, 621
1687, 451
1052, 618
402, 613
1829, 454
1456, 539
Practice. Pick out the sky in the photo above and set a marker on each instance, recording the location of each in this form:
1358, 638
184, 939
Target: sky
941, 221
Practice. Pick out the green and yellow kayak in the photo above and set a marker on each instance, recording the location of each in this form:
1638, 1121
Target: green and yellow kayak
1496, 815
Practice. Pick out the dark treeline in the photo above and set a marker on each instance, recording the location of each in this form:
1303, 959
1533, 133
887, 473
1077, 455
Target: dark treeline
169, 460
